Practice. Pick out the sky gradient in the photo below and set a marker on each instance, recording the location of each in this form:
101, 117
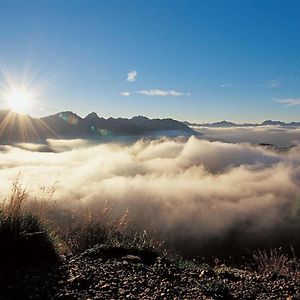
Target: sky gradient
200, 61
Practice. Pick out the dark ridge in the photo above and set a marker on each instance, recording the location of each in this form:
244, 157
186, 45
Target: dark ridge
15, 128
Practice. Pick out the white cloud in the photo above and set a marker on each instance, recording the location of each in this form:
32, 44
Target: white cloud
125, 94
162, 93
289, 101
131, 76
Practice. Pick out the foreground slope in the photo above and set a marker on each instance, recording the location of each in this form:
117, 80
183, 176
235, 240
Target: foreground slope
92, 276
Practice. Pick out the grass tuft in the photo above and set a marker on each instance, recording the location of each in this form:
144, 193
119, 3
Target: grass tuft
81, 232
24, 239
276, 261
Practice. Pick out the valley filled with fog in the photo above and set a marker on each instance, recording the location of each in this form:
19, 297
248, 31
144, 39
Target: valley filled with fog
275, 135
194, 192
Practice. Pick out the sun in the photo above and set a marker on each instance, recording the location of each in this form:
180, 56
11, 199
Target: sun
18, 100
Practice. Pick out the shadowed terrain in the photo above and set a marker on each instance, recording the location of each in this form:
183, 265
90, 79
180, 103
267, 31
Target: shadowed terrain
15, 127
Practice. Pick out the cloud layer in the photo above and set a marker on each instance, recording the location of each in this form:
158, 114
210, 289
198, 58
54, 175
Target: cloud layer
194, 192
278, 136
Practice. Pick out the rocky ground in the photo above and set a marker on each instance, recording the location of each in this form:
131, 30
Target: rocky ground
102, 273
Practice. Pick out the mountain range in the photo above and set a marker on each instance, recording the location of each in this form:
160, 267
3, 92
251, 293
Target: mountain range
16, 127
231, 124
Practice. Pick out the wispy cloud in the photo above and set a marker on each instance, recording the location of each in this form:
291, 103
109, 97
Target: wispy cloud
230, 85
289, 101
272, 84
162, 93
156, 93
131, 76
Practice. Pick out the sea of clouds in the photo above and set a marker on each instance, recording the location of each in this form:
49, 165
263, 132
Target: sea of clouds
275, 135
202, 197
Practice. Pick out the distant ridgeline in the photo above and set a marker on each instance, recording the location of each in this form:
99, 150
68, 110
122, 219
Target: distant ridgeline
15, 127
224, 123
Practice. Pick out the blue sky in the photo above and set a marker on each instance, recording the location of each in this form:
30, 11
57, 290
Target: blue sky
201, 61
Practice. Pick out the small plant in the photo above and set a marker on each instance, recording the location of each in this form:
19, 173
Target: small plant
275, 261
81, 234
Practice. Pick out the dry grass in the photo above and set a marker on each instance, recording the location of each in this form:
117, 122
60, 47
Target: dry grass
71, 231
78, 231
19, 202
24, 238
14, 205
276, 261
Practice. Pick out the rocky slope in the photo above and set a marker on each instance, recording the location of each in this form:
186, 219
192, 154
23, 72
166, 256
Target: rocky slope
122, 275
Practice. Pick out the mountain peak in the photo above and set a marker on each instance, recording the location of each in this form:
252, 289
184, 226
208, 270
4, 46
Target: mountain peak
92, 116
67, 113
139, 118
271, 122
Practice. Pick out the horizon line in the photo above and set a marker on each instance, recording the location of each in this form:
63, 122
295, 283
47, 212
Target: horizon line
151, 118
